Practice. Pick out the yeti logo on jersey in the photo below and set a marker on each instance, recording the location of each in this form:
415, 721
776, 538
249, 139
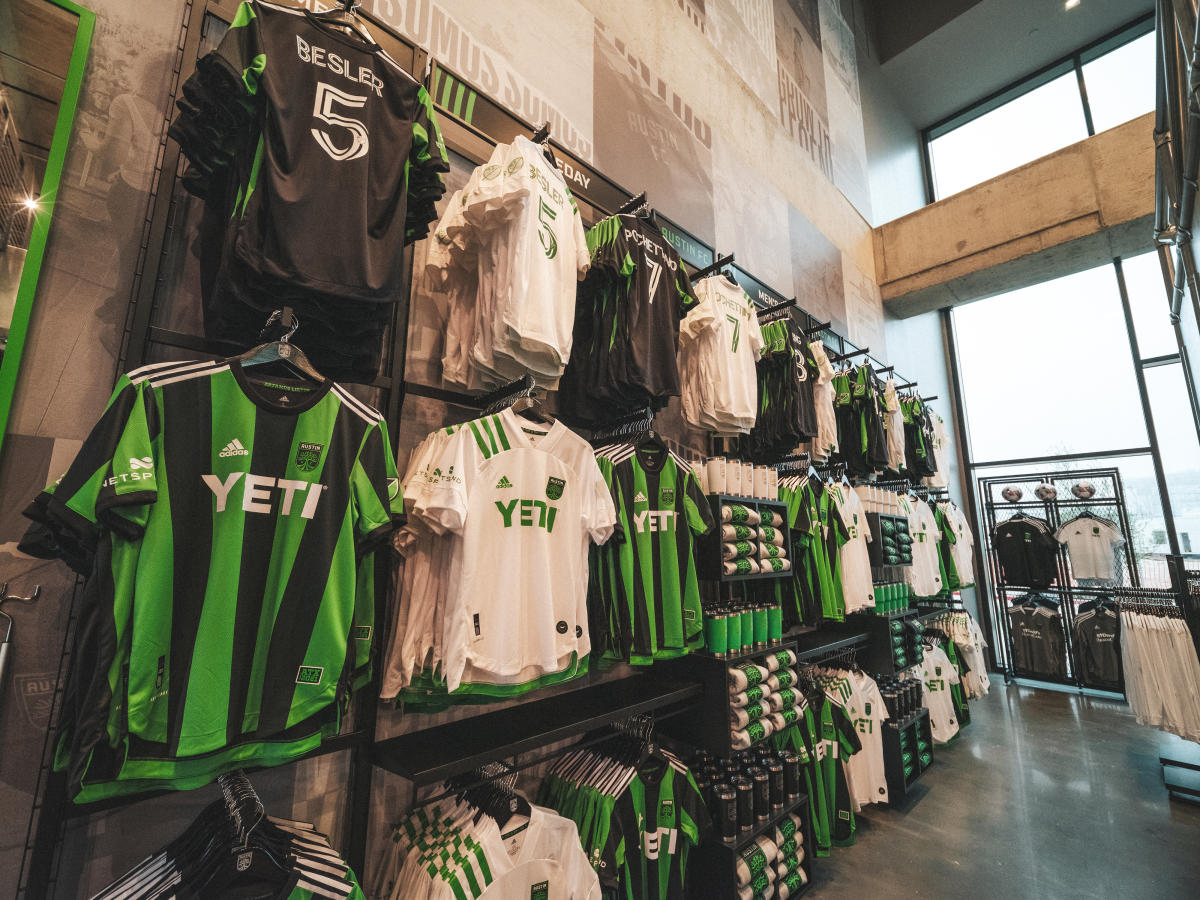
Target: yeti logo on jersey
309, 674
307, 456
324, 110
526, 518
554, 488
653, 843
655, 520
259, 493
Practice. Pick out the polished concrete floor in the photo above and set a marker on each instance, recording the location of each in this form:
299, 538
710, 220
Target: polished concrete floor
1045, 795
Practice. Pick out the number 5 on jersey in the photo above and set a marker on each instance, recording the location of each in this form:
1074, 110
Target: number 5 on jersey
323, 110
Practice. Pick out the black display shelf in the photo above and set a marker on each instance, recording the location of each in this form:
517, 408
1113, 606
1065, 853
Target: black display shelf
434, 754
710, 729
899, 737
708, 559
875, 547
745, 838
714, 870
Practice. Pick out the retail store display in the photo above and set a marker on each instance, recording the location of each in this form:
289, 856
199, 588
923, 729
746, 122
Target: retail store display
639, 822
938, 674
520, 499
924, 575
719, 346
239, 509
1036, 627
956, 546
507, 254
645, 587
278, 179
1096, 636
1091, 542
961, 628
1027, 550
1162, 674
627, 317
233, 848
857, 589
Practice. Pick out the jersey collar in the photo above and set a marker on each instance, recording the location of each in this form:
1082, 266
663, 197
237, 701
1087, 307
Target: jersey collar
257, 394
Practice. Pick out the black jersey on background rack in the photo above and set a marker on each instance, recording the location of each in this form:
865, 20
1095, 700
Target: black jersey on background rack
1039, 646
1096, 632
1027, 551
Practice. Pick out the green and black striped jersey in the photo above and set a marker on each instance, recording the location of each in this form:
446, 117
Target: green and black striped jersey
657, 821
235, 514
645, 588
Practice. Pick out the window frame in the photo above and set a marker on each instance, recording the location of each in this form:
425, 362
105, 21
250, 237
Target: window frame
1073, 62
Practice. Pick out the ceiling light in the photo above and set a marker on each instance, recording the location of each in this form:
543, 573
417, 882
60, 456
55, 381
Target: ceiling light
1071, 4
31, 203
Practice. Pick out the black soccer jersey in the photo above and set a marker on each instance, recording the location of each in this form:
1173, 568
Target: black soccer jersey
340, 146
1027, 552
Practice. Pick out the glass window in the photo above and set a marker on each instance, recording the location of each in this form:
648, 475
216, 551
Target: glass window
1120, 84
1178, 445
1046, 370
1149, 304
1041, 121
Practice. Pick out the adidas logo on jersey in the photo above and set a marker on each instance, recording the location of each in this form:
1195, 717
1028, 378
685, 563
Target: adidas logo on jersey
639, 497
503, 483
233, 448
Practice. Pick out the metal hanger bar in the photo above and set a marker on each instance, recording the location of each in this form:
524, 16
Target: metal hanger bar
514, 389
542, 134
930, 397
777, 307
712, 267
633, 203
885, 370
845, 356
817, 329
907, 386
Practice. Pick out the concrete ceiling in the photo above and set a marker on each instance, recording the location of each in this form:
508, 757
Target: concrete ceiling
971, 49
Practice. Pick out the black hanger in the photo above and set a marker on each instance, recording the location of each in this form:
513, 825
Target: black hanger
531, 408
542, 137
344, 16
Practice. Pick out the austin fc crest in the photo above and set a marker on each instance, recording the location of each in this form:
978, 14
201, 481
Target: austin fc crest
554, 488
308, 456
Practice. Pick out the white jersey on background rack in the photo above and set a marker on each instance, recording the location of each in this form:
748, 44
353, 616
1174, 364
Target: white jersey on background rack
924, 575
895, 426
526, 501
937, 674
857, 584
720, 390
865, 772
962, 551
941, 454
1091, 542
826, 441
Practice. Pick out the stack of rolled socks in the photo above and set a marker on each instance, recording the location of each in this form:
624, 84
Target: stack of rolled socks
772, 865
751, 543
762, 699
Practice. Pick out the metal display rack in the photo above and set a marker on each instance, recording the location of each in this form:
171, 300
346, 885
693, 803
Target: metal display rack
1109, 501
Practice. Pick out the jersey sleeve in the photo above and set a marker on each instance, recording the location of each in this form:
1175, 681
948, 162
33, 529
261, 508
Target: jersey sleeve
700, 318
599, 512
113, 479
375, 489
443, 503
757, 344
427, 163
219, 98
683, 290
699, 514
583, 255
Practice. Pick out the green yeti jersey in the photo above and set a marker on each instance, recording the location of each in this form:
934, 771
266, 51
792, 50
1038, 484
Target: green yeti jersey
657, 822
239, 512
645, 589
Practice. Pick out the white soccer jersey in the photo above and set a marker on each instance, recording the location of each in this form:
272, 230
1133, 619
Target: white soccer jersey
857, 584
1090, 543
726, 342
962, 551
941, 454
924, 575
826, 441
937, 674
895, 426
543, 860
526, 500
865, 772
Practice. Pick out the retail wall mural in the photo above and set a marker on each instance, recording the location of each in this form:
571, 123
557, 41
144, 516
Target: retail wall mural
610, 97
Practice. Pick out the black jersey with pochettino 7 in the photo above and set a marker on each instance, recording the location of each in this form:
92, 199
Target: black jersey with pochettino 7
334, 144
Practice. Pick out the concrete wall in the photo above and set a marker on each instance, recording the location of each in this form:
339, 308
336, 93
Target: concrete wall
1065, 212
